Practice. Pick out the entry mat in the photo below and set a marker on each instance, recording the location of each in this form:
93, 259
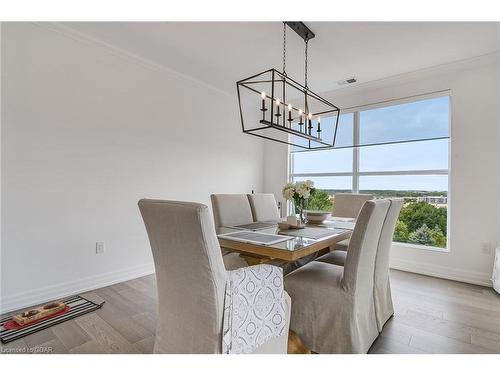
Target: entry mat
76, 306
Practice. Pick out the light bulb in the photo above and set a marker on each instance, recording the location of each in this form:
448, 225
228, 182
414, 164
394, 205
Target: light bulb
310, 116
300, 112
319, 119
277, 101
263, 95
289, 107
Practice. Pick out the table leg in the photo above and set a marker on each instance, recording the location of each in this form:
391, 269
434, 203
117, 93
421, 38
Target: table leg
295, 344
252, 261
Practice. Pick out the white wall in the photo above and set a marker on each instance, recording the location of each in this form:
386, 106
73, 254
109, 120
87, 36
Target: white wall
88, 130
474, 165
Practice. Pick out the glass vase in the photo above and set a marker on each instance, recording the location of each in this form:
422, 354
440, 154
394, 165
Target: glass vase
299, 210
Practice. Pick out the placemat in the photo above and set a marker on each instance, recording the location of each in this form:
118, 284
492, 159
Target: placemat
314, 233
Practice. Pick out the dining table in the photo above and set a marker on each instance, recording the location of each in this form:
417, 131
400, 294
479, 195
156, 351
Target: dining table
299, 243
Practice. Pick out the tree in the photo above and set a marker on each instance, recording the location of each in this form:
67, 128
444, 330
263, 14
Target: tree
438, 237
319, 200
415, 214
401, 232
421, 236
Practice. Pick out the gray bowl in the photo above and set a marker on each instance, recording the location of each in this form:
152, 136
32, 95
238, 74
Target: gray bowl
316, 217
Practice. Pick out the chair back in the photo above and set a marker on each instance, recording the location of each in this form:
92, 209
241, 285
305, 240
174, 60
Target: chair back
382, 291
264, 207
190, 276
349, 205
360, 261
231, 209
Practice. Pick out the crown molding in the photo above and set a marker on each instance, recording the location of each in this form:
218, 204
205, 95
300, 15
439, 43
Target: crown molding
446, 68
127, 55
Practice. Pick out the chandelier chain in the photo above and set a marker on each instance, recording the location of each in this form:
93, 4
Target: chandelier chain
284, 49
305, 64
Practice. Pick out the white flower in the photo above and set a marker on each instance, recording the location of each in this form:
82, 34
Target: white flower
288, 194
289, 191
303, 190
304, 194
300, 188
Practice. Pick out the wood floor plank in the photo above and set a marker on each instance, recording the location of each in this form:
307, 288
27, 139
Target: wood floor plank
70, 334
404, 305
115, 299
40, 337
147, 303
397, 332
440, 296
389, 346
146, 320
448, 309
125, 324
102, 333
91, 347
93, 297
144, 287
474, 320
435, 325
444, 345
145, 346
486, 341
129, 329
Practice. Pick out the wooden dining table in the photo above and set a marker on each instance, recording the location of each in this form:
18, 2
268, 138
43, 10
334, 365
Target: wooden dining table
314, 238
301, 242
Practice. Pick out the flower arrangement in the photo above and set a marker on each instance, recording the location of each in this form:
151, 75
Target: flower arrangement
299, 193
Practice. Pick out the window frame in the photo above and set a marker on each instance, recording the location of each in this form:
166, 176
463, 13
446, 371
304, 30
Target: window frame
356, 173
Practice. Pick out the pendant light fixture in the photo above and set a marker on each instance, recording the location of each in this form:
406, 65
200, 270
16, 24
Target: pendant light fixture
276, 107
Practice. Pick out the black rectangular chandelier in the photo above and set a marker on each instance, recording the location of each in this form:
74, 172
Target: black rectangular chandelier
274, 106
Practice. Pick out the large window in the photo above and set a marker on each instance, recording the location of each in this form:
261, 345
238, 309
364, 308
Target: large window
414, 170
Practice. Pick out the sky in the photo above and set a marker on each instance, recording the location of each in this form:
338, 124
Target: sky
422, 119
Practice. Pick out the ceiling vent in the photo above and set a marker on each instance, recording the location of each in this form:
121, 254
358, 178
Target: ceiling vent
347, 81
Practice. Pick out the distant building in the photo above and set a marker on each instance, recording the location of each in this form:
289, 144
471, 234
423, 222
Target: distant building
433, 199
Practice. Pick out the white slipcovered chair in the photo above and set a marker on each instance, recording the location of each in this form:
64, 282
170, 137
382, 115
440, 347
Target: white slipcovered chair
382, 288
264, 207
191, 279
348, 205
230, 210
333, 309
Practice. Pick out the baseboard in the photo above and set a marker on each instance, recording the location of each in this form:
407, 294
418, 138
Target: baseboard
41, 295
477, 278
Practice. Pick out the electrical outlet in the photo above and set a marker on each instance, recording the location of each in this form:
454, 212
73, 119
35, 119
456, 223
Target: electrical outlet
486, 248
99, 247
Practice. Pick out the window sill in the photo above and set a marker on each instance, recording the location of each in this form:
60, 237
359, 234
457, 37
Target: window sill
422, 247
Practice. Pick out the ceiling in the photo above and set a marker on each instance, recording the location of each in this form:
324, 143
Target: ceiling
221, 53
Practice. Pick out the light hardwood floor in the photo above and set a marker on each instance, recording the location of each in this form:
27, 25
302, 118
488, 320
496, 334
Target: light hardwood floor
431, 316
